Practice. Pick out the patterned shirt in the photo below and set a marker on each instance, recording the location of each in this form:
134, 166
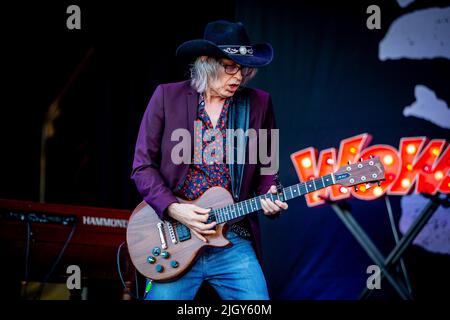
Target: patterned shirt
208, 168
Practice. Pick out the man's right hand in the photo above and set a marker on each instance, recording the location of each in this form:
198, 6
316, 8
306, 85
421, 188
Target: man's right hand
193, 217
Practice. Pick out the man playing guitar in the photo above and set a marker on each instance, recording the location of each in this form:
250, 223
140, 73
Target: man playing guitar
215, 99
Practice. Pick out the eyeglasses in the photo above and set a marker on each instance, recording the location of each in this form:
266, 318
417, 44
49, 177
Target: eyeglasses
232, 69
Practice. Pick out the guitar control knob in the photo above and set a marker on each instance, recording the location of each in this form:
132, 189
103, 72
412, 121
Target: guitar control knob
159, 268
165, 254
151, 259
156, 251
174, 264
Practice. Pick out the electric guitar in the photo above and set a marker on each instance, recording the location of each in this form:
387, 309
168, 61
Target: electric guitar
165, 250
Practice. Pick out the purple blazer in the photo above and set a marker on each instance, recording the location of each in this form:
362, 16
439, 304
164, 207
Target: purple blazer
174, 106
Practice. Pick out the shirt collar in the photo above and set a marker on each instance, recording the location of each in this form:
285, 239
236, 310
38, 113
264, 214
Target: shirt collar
201, 101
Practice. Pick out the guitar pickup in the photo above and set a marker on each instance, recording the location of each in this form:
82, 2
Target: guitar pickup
183, 232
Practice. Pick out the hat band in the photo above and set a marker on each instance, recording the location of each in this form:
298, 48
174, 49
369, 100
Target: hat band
237, 50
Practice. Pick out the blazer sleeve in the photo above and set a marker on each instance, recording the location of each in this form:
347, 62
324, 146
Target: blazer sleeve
267, 180
147, 157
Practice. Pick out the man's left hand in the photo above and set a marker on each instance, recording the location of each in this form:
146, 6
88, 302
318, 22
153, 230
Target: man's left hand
269, 207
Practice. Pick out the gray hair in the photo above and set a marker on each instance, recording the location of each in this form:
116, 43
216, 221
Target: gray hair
204, 69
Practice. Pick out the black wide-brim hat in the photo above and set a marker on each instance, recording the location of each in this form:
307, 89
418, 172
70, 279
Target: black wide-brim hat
224, 39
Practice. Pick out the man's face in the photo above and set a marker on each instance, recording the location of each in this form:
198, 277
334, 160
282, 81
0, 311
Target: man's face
226, 84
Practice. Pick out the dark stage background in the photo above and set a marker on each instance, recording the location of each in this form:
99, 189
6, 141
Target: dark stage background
326, 81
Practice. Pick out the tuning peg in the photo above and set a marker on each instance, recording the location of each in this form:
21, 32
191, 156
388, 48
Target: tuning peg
371, 157
348, 162
379, 183
361, 160
356, 188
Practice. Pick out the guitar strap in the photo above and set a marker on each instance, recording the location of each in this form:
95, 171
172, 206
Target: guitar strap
238, 118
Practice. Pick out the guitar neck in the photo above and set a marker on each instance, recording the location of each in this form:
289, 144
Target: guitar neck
245, 207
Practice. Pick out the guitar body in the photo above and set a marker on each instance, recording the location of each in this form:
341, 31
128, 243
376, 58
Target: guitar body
144, 237
164, 250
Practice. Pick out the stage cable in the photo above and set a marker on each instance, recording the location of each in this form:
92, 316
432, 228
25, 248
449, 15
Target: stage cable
55, 263
119, 271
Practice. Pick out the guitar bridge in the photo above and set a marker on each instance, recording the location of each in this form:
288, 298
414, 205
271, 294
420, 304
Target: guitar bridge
171, 233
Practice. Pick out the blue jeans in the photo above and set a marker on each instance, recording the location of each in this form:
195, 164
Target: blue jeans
234, 272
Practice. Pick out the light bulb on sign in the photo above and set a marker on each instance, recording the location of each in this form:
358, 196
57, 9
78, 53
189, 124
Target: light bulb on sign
438, 175
377, 191
435, 152
306, 163
411, 149
406, 183
388, 160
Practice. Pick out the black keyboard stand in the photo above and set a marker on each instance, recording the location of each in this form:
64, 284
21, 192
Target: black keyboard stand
386, 265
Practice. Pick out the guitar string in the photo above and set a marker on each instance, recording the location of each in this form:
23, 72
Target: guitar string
213, 214
297, 186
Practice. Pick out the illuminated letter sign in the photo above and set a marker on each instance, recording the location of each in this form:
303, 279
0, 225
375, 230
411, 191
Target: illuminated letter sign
418, 162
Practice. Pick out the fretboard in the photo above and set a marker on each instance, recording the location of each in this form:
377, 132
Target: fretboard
245, 207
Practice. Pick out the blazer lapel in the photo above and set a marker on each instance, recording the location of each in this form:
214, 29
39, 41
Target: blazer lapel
192, 106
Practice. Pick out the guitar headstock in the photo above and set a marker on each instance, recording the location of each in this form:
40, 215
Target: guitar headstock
371, 170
